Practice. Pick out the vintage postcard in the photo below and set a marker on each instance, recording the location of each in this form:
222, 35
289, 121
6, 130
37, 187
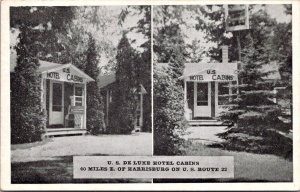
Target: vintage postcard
162, 95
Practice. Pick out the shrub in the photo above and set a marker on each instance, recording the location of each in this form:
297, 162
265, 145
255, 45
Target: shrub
168, 108
28, 119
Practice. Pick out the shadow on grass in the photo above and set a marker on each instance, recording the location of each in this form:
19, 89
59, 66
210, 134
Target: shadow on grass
55, 171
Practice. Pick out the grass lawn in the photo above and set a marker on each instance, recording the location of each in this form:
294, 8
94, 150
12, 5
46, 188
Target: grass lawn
56, 171
51, 161
248, 167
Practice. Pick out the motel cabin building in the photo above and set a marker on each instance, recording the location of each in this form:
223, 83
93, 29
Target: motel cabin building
64, 95
108, 85
205, 85
64, 91
209, 86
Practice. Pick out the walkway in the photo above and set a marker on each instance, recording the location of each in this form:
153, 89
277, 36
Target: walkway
204, 134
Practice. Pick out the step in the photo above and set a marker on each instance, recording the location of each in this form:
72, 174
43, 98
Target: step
65, 132
205, 123
63, 129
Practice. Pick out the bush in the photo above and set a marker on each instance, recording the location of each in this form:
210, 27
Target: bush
168, 108
261, 133
121, 115
95, 116
28, 119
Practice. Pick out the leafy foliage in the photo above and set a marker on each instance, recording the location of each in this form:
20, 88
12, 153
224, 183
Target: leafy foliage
45, 24
169, 45
100, 22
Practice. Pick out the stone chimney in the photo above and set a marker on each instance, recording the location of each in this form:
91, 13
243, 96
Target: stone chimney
224, 54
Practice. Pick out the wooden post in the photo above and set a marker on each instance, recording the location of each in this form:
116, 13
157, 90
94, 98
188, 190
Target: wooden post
186, 111
84, 118
217, 98
45, 93
141, 116
42, 93
43, 102
107, 105
185, 94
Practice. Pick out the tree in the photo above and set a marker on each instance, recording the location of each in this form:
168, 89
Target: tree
95, 116
196, 52
168, 106
281, 51
37, 40
172, 48
122, 115
45, 24
256, 124
142, 66
101, 23
28, 121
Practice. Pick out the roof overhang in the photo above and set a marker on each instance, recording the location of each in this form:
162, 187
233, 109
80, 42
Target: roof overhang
210, 72
63, 72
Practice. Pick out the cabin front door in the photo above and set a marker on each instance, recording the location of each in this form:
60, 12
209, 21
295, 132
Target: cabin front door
202, 99
56, 107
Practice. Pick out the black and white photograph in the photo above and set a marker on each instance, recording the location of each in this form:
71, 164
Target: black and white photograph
80, 85
150, 95
223, 87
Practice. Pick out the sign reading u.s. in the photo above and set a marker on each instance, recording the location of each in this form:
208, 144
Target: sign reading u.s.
212, 75
65, 74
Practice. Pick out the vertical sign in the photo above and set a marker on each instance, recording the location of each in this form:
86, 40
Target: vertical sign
237, 17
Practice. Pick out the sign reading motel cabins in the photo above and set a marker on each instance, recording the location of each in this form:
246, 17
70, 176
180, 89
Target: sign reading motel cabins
213, 75
212, 72
66, 74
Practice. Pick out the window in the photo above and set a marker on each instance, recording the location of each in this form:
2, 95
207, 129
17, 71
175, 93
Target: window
202, 94
223, 93
78, 95
226, 92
